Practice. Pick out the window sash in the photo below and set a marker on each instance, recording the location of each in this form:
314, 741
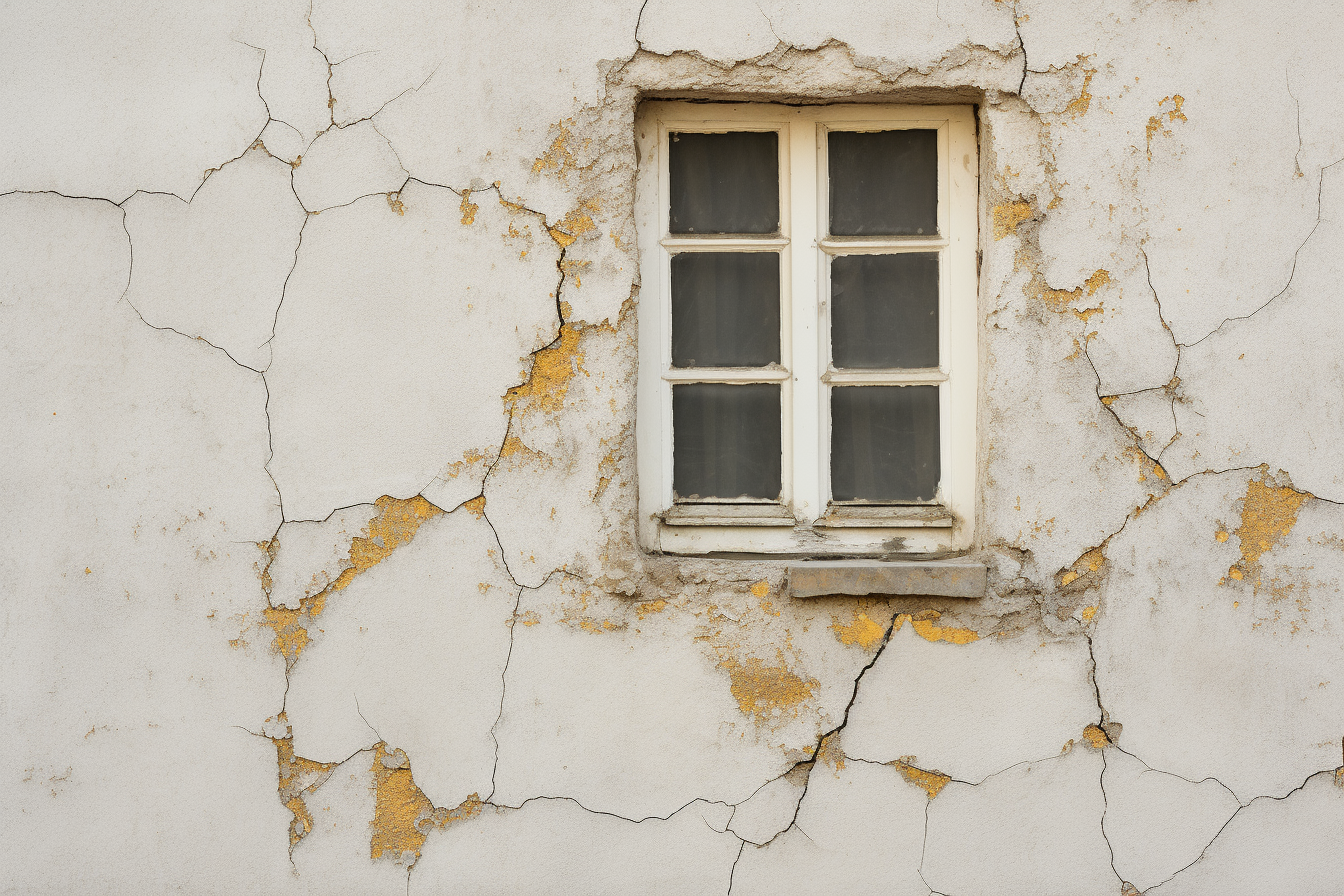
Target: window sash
805, 371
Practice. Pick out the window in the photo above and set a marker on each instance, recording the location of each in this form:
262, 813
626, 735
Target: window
808, 352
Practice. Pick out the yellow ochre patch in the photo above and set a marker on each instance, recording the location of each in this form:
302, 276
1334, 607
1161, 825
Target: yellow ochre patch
767, 691
402, 815
862, 630
394, 524
1268, 513
932, 783
1007, 216
926, 625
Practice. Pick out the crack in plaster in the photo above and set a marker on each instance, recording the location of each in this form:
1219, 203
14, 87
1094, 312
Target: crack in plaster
821, 745
1320, 190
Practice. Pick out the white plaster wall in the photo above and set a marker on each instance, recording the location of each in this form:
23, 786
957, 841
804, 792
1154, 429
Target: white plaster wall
319, 570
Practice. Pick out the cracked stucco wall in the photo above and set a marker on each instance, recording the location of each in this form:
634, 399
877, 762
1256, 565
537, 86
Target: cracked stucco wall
319, 566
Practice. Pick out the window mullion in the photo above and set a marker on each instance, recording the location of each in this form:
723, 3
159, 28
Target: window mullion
804, 298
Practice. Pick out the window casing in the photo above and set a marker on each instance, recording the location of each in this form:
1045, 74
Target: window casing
915, 492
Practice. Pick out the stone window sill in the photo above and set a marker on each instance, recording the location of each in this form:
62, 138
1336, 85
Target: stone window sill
926, 578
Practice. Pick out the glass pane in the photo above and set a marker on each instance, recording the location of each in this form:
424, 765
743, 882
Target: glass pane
725, 309
725, 183
884, 310
726, 441
884, 443
883, 183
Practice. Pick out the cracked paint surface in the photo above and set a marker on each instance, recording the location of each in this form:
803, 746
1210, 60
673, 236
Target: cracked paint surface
319, 341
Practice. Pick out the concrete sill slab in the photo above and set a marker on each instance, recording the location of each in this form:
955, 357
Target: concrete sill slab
928, 578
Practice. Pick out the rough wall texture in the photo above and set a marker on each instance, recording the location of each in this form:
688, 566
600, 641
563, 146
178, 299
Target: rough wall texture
318, 331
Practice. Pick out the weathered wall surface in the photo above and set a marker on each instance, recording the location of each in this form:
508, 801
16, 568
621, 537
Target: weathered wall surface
319, 576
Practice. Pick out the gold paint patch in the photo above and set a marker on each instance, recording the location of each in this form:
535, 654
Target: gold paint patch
1091, 562
1155, 125
1061, 300
1084, 101
574, 224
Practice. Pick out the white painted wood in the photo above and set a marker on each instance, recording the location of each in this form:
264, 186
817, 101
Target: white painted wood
805, 372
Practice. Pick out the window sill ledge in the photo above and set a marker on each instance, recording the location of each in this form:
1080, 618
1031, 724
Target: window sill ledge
927, 578
728, 515
860, 516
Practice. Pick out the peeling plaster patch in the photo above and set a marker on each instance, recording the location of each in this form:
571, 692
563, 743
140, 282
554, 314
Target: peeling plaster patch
1086, 571
1062, 300
1268, 513
1169, 107
553, 367
566, 473
297, 776
1042, 387
1006, 217
861, 630
972, 709
334, 856
397, 336
401, 810
931, 782
414, 653
1042, 823
394, 523
860, 830
767, 692
925, 624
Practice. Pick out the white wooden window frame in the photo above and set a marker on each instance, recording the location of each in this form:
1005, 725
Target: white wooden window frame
805, 522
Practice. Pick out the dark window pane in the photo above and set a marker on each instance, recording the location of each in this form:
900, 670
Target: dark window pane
726, 441
725, 183
884, 310
884, 443
883, 183
725, 309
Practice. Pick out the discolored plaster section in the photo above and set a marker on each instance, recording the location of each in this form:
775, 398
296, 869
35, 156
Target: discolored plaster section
1158, 499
